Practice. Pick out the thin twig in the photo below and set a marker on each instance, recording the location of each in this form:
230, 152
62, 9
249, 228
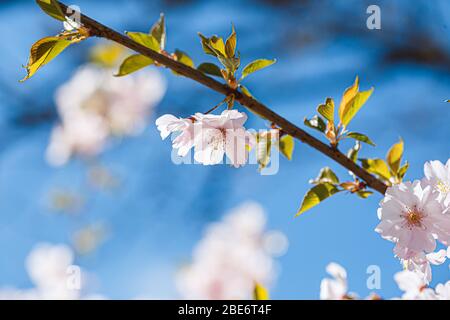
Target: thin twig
99, 30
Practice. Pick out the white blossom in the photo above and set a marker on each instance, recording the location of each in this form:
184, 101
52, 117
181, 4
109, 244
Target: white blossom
230, 258
94, 106
336, 287
413, 218
438, 175
413, 286
48, 267
168, 124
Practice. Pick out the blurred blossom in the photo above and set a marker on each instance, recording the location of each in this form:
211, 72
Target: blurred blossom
94, 106
230, 258
51, 270
335, 288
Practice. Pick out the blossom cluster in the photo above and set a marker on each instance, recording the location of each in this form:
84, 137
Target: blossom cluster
211, 136
93, 106
411, 283
51, 270
234, 255
416, 217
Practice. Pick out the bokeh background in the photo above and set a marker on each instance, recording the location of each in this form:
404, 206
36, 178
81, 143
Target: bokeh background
152, 218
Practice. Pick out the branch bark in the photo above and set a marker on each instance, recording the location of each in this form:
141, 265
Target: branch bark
99, 30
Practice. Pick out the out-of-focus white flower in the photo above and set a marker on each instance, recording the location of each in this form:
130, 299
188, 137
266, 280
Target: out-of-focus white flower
414, 286
168, 124
219, 135
443, 291
336, 288
94, 106
230, 259
51, 269
412, 216
48, 267
438, 175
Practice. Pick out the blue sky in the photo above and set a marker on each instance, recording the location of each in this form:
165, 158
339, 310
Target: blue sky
159, 212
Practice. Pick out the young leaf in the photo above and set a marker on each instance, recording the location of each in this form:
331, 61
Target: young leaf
246, 91
348, 96
218, 45
260, 293
364, 194
207, 48
327, 110
210, 68
326, 175
316, 123
133, 63
230, 46
147, 40
376, 166
316, 195
44, 51
256, 66
184, 58
352, 108
402, 171
107, 54
394, 156
352, 154
360, 137
158, 32
286, 146
52, 8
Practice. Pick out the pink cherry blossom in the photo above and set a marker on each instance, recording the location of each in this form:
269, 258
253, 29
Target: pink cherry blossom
168, 124
413, 218
219, 135
420, 263
438, 175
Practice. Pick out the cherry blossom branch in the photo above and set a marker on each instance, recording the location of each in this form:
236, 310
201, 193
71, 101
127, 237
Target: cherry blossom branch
99, 30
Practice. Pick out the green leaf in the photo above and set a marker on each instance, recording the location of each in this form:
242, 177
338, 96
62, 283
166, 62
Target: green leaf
316, 123
360, 137
352, 154
210, 68
206, 46
364, 194
327, 110
402, 171
394, 156
230, 46
260, 293
256, 66
286, 146
348, 96
158, 32
218, 45
44, 51
245, 91
316, 195
147, 40
376, 166
133, 63
52, 8
354, 106
326, 175
184, 58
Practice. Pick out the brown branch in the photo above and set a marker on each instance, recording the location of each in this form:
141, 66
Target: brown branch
99, 30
